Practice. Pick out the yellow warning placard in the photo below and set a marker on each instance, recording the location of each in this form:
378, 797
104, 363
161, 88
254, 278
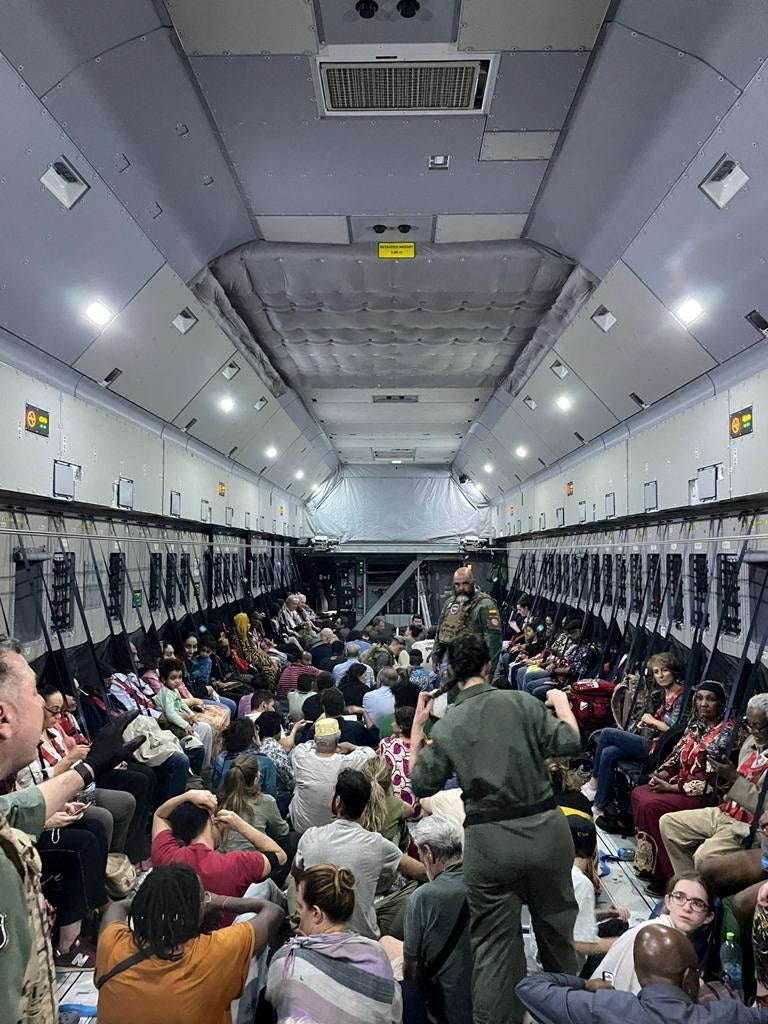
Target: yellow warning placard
397, 250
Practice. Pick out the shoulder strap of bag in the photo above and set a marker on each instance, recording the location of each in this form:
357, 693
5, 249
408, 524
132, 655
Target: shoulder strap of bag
462, 920
124, 965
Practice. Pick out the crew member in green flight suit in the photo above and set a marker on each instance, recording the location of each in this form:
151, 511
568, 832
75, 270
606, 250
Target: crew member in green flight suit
469, 612
517, 844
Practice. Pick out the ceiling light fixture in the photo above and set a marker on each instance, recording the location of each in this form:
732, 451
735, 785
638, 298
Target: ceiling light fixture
603, 318
724, 180
439, 162
564, 403
299, 474
98, 313
689, 310
258, 406
487, 468
396, 462
366, 8
227, 403
529, 402
521, 451
271, 452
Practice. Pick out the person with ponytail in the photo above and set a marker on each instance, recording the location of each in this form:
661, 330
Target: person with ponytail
329, 970
155, 964
385, 811
240, 792
518, 846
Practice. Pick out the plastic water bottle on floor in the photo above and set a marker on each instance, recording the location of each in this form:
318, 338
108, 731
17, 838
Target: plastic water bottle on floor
730, 961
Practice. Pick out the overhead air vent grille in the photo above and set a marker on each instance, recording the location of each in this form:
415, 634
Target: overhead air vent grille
388, 454
382, 399
404, 86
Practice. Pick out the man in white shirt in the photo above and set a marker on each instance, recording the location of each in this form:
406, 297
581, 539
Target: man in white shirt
316, 767
398, 651
380, 702
373, 860
353, 656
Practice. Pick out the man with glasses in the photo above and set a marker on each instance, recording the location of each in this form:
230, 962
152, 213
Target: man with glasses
691, 837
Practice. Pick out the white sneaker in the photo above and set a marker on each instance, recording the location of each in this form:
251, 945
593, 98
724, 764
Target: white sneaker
589, 791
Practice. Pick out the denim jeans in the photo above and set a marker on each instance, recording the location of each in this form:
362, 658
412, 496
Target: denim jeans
172, 775
226, 701
614, 745
533, 678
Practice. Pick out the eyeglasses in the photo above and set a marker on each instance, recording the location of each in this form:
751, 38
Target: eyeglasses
55, 712
680, 899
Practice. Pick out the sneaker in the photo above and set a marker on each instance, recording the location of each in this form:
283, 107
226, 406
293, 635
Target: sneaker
81, 957
656, 887
589, 791
607, 824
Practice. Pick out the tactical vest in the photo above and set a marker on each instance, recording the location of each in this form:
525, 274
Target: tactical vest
457, 621
38, 996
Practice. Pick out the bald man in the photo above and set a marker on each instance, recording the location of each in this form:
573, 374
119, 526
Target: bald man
667, 969
469, 612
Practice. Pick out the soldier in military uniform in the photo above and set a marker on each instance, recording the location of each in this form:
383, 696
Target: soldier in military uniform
469, 612
517, 845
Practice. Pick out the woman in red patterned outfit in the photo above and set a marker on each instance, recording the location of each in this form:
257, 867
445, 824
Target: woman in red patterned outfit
395, 750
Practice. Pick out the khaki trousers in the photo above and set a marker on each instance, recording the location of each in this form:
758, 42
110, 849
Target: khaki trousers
692, 836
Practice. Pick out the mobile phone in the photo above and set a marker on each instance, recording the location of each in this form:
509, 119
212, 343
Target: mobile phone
608, 976
78, 807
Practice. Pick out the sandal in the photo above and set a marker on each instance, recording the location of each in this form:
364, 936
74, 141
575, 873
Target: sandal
80, 957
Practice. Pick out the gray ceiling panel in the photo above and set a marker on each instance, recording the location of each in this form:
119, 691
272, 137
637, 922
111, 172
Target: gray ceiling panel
644, 112
137, 105
349, 166
530, 24
690, 248
647, 351
54, 262
245, 26
143, 343
518, 145
474, 227
46, 39
731, 35
534, 90
434, 22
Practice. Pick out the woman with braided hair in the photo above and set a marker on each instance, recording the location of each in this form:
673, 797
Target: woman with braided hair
155, 964
327, 967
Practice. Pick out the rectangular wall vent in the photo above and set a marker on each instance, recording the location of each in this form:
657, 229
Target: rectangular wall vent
111, 377
184, 321
559, 369
529, 402
230, 370
387, 454
724, 180
382, 399
63, 182
432, 86
603, 318
758, 321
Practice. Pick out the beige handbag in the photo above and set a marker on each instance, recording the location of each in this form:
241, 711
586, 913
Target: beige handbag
158, 745
121, 876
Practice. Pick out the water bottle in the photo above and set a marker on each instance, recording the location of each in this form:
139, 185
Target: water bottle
626, 853
730, 961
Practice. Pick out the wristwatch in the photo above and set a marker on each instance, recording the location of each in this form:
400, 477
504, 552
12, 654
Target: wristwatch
85, 772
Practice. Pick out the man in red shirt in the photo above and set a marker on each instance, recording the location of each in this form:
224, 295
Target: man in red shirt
187, 829
290, 676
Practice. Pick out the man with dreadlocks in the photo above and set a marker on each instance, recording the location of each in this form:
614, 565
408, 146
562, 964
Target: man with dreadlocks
154, 963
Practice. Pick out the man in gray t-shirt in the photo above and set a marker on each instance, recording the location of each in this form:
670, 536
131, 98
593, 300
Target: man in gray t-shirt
434, 919
371, 858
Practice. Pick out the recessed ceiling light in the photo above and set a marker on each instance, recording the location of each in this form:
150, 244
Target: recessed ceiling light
440, 162
227, 403
299, 474
564, 403
487, 468
230, 370
396, 462
559, 369
258, 406
99, 313
184, 321
689, 310
603, 318
521, 451
271, 452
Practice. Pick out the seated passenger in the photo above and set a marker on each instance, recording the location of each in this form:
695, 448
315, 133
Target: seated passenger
290, 674
188, 830
372, 859
395, 751
692, 836
296, 698
352, 657
381, 700
241, 792
616, 745
418, 675
354, 683
680, 783
179, 716
316, 767
270, 730
241, 737
177, 973
688, 907
328, 967
385, 812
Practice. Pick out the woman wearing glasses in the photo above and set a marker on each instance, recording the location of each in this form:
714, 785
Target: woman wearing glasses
688, 907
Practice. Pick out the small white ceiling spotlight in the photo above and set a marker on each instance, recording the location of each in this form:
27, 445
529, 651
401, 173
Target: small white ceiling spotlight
299, 474
271, 452
689, 311
521, 451
488, 468
227, 403
564, 403
98, 313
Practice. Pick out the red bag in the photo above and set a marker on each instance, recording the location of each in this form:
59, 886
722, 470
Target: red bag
591, 703
237, 661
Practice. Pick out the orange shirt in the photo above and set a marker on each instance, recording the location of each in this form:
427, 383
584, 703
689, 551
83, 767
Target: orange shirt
198, 987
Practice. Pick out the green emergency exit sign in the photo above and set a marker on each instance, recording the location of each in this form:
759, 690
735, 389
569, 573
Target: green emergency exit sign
138, 599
